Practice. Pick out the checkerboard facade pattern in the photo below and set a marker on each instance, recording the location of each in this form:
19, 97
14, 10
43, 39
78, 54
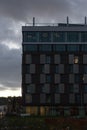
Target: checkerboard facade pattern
54, 74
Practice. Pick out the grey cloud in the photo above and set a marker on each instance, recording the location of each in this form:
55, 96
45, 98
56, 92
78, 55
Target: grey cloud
10, 31
10, 67
23, 10
43, 10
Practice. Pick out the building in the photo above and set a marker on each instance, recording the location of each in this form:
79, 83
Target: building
54, 69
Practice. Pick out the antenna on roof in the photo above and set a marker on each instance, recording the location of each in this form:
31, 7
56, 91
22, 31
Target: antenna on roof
85, 20
33, 21
67, 20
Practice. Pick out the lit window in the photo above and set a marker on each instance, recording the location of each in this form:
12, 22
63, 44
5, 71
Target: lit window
76, 59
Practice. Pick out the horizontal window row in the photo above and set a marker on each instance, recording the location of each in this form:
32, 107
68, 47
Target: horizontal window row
54, 69
57, 78
57, 110
54, 59
55, 47
48, 36
56, 88
62, 99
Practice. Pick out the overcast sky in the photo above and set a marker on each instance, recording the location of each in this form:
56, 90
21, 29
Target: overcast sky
14, 14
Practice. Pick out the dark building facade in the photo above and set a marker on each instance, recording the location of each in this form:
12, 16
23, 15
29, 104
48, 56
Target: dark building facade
54, 69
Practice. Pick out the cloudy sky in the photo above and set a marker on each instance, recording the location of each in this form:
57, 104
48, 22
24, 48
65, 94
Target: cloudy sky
14, 14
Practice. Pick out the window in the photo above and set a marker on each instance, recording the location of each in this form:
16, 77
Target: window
63, 58
28, 98
69, 68
28, 59
59, 47
83, 36
73, 48
84, 47
76, 59
45, 47
48, 59
30, 88
72, 36
44, 36
78, 99
28, 78
48, 78
27, 68
71, 88
30, 47
30, 36
56, 69
85, 88
48, 98
58, 36
78, 78
63, 78
56, 88
45, 88
85, 69
41, 68
74, 88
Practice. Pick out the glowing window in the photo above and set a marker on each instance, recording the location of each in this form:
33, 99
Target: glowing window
76, 59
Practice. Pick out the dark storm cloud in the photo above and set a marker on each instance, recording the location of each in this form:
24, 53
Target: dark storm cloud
25, 9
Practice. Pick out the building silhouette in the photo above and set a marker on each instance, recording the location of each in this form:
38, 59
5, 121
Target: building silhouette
54, 69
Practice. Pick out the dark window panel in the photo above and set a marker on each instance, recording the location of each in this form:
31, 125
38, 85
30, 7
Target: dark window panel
45, 36
30, 47
45, 47
72, 36
83, 36
73, 48
30, 36
59, 47
58, 36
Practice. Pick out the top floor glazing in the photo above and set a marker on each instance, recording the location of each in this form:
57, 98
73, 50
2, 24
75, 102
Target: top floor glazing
62, 32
